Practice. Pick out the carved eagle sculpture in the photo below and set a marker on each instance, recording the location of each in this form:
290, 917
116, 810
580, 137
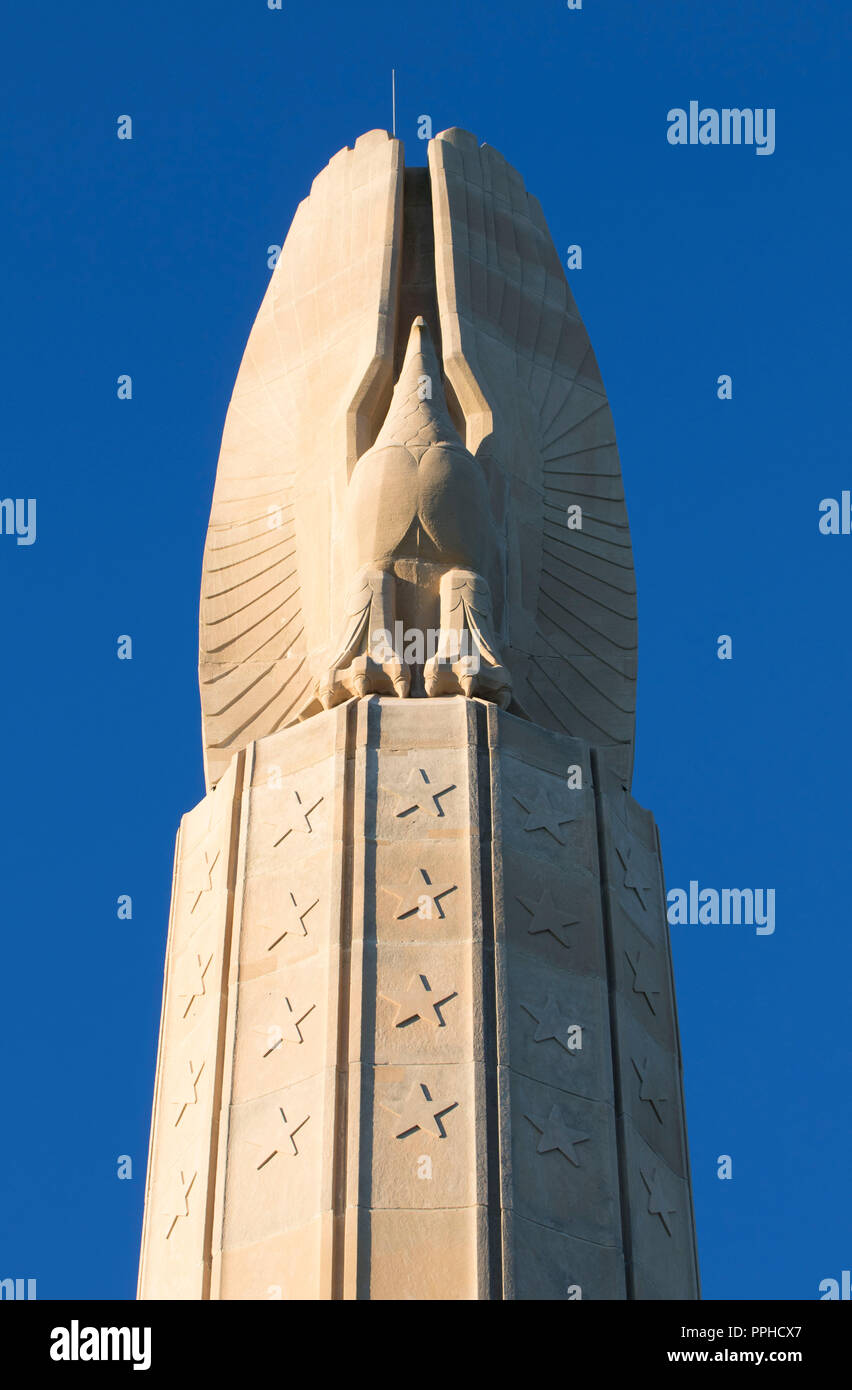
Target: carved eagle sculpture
417, 409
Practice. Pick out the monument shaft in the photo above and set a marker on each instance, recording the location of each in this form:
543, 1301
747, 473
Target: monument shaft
419, 1036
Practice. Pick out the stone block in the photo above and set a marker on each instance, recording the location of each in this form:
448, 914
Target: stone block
558, 1028
547, 1266
564, 1168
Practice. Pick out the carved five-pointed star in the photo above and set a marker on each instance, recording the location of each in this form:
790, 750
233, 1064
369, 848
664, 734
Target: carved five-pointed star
193, 970
420, 895
635, 876
644, 976
658, 1203
188, 1091
552, 1023
419, 793
420, 1001
547, 916
420, 1111
287, 1029
543, 815
201, 878
291, 922
650, 1085
295, 816
277, 1135
177, 1205
555, 1134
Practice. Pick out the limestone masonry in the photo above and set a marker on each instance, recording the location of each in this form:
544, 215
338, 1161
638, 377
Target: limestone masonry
419, 1037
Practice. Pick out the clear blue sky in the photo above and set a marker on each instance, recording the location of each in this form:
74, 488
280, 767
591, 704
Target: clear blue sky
149, 257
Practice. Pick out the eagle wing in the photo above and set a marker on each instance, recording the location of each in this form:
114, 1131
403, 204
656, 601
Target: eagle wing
314, 378
521, 366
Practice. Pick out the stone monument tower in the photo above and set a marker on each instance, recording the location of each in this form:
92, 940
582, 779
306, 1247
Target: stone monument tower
418, 1037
